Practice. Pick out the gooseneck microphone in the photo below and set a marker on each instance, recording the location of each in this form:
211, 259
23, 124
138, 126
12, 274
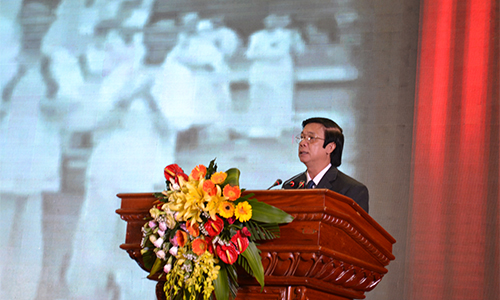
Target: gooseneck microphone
276, 183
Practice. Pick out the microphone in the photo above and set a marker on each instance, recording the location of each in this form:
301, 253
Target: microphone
276, 183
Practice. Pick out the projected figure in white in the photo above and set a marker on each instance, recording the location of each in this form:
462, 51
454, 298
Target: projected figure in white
218, 43
271, 76
176, 87
35, 19
131, 137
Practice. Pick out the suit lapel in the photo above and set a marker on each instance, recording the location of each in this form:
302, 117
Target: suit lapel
327, 181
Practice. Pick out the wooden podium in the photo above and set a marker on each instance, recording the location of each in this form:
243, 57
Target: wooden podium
332, 250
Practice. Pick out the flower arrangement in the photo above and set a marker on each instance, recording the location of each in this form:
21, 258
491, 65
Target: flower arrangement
201, 227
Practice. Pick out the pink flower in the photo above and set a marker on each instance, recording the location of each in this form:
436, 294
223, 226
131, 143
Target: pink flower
162, 226
167, 268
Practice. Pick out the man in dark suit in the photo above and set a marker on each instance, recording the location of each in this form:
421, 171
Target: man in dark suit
320, 149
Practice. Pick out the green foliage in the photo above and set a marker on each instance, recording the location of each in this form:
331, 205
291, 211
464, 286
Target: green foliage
222, 284
149, 259
233, 279
263, 212
263, 231
242, 262
158, 265
252, 255
212, 168
233, 177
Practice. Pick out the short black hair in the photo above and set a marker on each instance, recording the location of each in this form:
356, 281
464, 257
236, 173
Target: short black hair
333, 133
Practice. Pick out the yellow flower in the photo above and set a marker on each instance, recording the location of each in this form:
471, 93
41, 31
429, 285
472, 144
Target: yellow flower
213, 202
243, 211
188, 202
219, 177
226, 209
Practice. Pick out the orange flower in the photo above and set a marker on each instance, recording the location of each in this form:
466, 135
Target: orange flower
180, 238
226, 209
199, 172
232, 192
243, 211
200, 246
209, 188
219, 177
194, 229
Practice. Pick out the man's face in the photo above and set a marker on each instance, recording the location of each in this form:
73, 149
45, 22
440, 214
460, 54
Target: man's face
312, 153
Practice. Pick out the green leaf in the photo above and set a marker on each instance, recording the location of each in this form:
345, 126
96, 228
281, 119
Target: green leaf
212, 168
252, 254
243, 263
221, 284
157, 266
263, 212
263, 231
233, 177
149, 258
232, 279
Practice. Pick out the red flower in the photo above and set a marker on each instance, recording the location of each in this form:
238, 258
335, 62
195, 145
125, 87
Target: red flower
245, 232
227, 253
210, 246
240, 241
173, 171
214, 227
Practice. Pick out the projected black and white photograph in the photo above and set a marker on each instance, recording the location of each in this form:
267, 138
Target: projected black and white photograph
99, 96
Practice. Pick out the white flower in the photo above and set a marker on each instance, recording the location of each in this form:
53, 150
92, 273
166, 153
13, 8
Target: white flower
173, 185
161, 233
158, 243
173, 250
161, 254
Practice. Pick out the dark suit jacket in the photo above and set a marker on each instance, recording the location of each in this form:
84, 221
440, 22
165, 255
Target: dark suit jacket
336, 181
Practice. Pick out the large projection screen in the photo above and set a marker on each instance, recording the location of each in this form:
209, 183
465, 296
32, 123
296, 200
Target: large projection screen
98, 96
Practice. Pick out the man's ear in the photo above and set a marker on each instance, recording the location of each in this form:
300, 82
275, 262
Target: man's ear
330, 147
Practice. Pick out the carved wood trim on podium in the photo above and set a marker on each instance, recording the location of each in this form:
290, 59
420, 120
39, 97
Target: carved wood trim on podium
332, 250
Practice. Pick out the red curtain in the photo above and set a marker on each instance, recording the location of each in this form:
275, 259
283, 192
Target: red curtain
454, 216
